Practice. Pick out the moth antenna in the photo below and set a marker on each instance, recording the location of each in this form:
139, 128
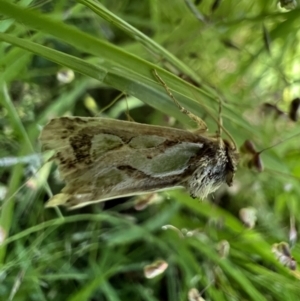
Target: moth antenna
193, 117
199, 121
278, 143
283, 174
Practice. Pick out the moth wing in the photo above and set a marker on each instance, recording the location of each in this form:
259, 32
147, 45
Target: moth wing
101, 159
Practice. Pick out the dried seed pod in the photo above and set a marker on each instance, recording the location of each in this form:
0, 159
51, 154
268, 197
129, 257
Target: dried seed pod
154, 269
248, 147
248, 216
65, 76
283, 254
255, 160
223, 248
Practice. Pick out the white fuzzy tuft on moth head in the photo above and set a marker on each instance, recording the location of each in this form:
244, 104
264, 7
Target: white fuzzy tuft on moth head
214, 170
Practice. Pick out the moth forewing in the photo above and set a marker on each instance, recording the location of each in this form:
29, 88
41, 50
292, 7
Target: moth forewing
101, 159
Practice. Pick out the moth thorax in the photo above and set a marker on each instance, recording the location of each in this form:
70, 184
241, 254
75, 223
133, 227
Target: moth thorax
209, 175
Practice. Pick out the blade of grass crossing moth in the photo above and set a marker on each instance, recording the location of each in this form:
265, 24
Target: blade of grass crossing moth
100, 10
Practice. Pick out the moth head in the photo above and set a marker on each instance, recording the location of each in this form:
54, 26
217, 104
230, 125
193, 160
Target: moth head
216, 167
233, 159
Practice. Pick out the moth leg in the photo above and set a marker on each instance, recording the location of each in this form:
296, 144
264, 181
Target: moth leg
202, 127
111, 103
129, 118
220, 123
221, 127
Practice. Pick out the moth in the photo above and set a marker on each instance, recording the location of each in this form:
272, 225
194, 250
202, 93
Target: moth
101, 159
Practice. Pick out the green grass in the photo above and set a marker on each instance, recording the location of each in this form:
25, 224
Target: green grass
99, 252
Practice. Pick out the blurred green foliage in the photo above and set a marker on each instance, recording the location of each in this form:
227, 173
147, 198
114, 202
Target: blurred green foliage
243, 52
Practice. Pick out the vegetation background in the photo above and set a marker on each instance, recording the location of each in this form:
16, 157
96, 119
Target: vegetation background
243, 52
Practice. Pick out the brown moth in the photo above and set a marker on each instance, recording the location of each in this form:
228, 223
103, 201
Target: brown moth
101, 159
